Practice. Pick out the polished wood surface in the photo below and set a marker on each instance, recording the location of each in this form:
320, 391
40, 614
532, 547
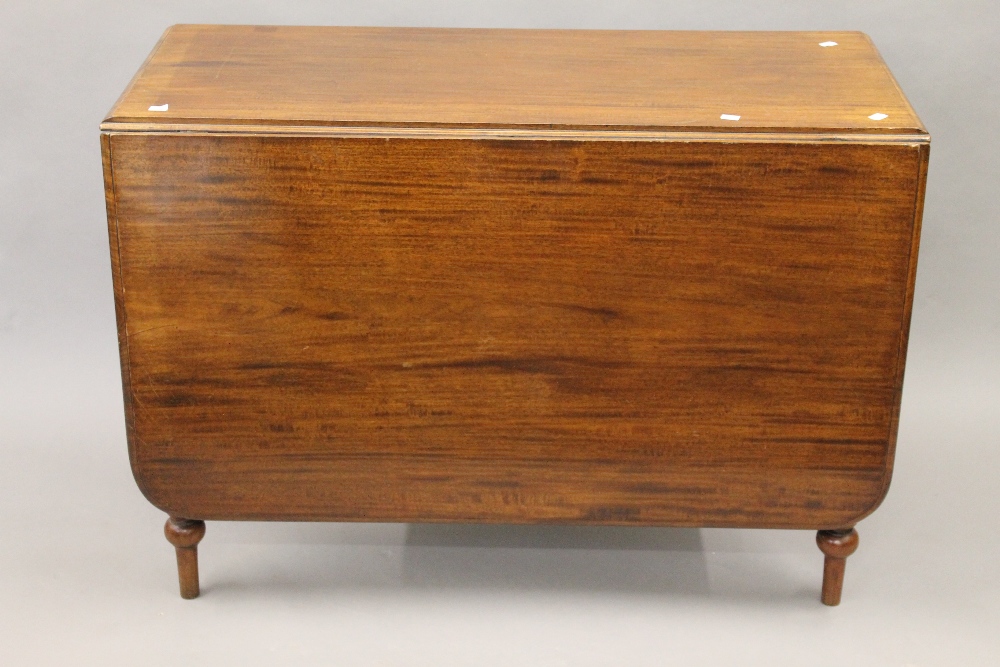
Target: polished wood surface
223, 75
836, 546
527, 276
514, 331
185, 534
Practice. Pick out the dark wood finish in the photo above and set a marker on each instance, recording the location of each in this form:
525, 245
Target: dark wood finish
185, 534
513, 331
516, 78
508, 311
836, 546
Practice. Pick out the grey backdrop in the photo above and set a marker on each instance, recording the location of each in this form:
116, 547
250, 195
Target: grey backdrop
86, 577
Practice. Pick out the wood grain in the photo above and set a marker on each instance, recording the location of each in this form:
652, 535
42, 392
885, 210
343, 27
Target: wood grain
425, 77
674, 332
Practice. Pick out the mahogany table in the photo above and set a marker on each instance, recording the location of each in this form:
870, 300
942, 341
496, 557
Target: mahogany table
527, 276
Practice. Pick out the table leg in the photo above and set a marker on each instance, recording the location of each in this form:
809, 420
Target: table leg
185, 534
836, 545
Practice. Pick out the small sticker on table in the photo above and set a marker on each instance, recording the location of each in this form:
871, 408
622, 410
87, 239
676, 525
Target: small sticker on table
879, 116
159, 107
729, 116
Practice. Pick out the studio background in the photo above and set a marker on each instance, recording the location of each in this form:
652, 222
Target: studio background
86, 576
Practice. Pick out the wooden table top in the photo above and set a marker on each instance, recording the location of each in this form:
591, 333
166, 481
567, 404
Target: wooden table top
536, 79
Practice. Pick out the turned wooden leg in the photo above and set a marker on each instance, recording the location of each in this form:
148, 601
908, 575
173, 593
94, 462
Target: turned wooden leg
185, 534
837, 545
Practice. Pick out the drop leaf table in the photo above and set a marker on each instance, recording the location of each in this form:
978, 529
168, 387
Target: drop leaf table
529, 276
